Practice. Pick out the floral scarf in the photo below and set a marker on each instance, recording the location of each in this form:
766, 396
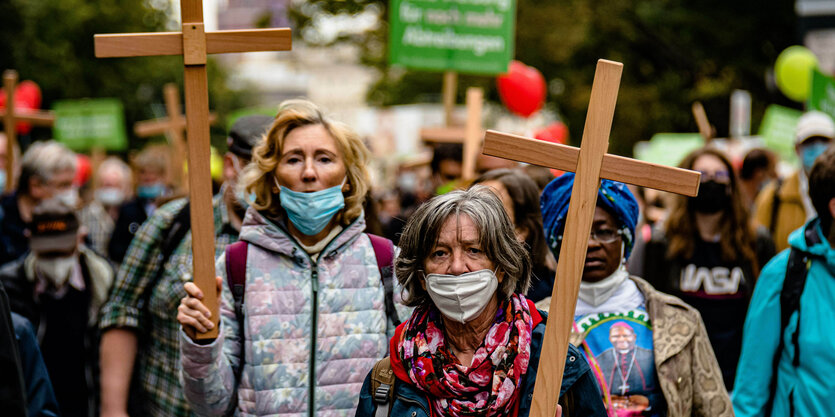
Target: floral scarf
490, 386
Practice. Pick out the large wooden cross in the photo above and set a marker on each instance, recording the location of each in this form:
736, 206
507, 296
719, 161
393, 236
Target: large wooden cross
10, 117
470, 135
193, 43
590, 162
174, 126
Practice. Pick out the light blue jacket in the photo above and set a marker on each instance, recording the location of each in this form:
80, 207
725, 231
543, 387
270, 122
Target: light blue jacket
810, 386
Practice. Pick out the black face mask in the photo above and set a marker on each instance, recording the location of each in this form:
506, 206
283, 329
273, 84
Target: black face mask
713, 197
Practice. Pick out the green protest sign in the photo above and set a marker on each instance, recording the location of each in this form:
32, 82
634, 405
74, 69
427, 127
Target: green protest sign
822, 96
474, 36
668, 148
777, 130
87, 123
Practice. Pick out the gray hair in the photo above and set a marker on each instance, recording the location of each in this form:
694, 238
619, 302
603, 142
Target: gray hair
495, 234
43, 160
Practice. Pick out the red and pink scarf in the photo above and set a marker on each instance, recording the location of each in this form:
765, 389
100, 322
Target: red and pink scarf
490, 386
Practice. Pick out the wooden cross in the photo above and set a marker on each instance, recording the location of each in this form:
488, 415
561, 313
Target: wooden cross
174, 126
705, 129
590, 162
10, 118
193, 43
470, 135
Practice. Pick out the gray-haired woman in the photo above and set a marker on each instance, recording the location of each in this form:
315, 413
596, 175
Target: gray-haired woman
472, 344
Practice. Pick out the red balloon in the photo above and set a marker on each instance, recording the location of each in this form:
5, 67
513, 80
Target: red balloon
27, 97
83, 170
556, 132
522, 89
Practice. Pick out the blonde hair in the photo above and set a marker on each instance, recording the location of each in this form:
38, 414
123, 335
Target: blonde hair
258, 176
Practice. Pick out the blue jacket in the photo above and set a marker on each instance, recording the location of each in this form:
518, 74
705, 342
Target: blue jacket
807, 388
40, 397
579, 390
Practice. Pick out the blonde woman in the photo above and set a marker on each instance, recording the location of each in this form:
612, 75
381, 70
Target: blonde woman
313, 318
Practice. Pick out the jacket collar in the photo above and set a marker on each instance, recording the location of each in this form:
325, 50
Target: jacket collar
273, 235
665, 311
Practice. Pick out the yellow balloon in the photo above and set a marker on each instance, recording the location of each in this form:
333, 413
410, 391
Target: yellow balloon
793, 72
216, 165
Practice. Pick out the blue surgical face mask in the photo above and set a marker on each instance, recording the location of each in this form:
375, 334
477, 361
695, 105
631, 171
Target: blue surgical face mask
150, 192
2, 181
810, 152
244, 200
311, 212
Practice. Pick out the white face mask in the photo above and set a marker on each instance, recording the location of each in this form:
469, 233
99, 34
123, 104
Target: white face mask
56, 270
69, 197
110, 196
462, 297
596, 293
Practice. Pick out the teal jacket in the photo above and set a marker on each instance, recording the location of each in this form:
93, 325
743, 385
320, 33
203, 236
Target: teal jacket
805, 390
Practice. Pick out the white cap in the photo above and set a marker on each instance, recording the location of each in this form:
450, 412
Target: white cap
814, 123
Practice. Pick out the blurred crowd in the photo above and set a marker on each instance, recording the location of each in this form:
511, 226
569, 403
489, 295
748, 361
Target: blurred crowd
687, 306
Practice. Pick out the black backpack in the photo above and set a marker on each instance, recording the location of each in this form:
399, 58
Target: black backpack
796, 271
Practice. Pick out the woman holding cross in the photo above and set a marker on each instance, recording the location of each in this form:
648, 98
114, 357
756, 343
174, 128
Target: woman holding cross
305, 304
649, 350
471, 347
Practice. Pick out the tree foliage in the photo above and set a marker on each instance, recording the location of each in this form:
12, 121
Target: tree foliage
674, 53
51, 43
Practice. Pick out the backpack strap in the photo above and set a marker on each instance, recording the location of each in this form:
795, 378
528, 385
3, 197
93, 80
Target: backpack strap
384, 252
236, 275
775, 207
382, 386
172, 236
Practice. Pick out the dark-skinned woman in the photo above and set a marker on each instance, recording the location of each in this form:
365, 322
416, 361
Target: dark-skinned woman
471, 346
649, 351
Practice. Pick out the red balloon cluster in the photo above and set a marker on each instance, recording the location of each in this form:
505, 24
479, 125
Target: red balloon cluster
522, 89
27, 97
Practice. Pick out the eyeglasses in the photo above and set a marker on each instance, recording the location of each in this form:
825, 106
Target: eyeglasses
602, 235
718, 176
606, 235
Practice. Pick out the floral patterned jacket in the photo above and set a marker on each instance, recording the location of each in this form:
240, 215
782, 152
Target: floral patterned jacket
687, 369
312, 329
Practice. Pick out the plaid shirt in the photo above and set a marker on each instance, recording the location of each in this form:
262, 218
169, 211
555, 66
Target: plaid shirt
158, 357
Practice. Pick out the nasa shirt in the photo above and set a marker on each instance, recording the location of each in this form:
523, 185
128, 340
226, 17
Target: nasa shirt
720, 290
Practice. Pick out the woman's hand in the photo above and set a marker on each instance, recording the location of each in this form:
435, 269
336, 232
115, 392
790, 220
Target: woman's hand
192, 314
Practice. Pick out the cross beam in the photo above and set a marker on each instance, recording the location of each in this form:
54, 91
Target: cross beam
174, 126
193, 43
590, 162
10, 118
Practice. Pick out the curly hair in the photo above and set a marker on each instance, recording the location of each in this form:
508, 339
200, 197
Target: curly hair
495, 233
737, 238
258, 176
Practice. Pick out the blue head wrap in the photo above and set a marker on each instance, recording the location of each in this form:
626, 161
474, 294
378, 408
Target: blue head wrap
613, 196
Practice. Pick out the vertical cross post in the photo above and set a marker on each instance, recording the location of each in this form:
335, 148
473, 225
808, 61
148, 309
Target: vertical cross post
9, 83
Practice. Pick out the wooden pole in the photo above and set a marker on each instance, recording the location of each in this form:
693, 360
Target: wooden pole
449, 91
701, 121
178, 143
9, 84
575, 239
473, 133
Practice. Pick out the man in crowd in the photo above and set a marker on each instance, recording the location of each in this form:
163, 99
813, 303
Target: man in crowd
446, 167
152, 173
47, 171
139, 321
113, 182
59, 286
787, 359
784, 206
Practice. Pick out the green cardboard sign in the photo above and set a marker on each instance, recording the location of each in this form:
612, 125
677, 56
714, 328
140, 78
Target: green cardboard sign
822, 96
473, 36
84, 124
777, 130
668, 148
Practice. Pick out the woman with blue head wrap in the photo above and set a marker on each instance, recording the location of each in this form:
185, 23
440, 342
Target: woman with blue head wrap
625, 326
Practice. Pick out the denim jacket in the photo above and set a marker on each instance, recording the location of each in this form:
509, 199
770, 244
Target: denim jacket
579, 394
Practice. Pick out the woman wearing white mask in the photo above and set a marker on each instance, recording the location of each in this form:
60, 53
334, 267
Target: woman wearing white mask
649, 350
314, 310
472, 344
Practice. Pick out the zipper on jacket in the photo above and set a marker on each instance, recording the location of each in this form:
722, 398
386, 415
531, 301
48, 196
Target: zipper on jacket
413, 402
314, 282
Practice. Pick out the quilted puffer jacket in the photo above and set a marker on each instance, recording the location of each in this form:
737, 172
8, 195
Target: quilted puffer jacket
312, 329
